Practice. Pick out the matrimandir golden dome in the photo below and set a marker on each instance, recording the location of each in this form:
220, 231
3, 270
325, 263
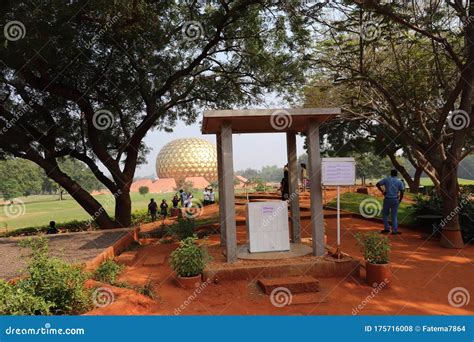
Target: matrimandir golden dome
189, 157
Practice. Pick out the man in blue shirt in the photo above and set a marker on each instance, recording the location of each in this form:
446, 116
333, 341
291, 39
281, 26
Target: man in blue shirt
392, 190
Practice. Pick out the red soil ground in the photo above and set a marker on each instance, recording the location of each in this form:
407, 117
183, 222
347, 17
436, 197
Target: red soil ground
424, 274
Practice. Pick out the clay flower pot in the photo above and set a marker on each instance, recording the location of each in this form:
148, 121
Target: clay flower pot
188, 282
378, 275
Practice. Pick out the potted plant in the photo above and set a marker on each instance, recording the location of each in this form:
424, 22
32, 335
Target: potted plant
376, 249
188, 261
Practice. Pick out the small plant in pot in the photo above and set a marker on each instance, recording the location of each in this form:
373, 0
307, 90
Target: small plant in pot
376, 249
188, 261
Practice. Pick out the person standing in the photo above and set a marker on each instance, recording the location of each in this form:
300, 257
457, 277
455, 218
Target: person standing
183, 198
206, 196
304, 176
175, 201
164, 209
393, 190
212, 198
189, 200
284, 186
152, 209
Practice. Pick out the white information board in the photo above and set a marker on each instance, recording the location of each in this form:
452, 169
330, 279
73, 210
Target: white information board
338, 171
267, 226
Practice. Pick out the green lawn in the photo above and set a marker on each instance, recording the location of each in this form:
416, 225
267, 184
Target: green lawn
41, 209
352, 202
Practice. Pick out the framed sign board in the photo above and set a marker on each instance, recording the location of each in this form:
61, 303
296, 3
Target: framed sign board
338, 171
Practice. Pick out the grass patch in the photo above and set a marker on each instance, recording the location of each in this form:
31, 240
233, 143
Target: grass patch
352, 202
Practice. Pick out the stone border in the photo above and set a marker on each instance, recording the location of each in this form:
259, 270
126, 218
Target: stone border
112, 251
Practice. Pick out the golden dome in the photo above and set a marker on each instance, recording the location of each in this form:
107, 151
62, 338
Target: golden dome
190, 157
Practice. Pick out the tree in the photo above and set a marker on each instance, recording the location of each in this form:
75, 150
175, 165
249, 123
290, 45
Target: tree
19, 178
143, 190
415, 81
89, 80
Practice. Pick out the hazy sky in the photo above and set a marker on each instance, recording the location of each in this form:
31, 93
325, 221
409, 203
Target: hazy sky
250, 150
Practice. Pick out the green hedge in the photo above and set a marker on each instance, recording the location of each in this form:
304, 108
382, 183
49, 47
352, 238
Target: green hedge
138, 217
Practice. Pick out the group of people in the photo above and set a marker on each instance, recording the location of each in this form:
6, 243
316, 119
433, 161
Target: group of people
284, 184
209, 197
185, 198
153, 209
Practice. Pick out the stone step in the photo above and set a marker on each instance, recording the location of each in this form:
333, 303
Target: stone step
127, 258
308, 298
154, 260
300, 284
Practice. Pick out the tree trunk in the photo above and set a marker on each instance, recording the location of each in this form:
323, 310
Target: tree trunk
415, 187
451, 236
123, 208
83, 198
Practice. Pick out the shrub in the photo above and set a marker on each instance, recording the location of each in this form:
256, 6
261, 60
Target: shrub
376, 247
140, 216
183, 228
189, 259
108, 271
433, 205
18, 300
70, 226
54, 280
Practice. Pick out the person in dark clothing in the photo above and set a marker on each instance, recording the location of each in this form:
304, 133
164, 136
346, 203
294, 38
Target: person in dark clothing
284, 186
175, 201
52, 228
164, 209
152, 209
183, 198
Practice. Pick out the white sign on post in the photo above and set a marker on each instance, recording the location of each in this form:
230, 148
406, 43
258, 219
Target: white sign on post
338, 171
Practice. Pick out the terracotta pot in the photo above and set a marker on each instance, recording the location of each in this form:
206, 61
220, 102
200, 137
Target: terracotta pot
378, 275
451, 239
189, 282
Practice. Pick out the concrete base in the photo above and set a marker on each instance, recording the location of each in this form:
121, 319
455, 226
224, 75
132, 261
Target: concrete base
316, 267
296, 250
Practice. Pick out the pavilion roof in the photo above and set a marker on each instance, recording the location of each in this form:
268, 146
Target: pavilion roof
265, 120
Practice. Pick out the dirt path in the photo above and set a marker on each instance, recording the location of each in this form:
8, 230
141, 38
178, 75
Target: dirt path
424, 274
